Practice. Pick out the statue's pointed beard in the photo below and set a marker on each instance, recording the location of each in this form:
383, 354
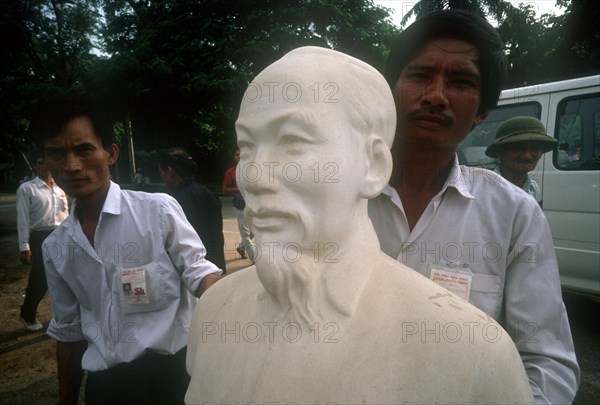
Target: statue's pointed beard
295, 286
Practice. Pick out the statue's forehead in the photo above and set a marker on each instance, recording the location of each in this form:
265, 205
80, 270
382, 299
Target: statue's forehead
297, 81
310, 67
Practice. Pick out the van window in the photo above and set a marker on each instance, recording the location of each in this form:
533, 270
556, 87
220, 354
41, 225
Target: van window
471, 150
578, 134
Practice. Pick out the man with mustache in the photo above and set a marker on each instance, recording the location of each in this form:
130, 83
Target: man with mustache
519, 144
324, 316
450, 222
123, 270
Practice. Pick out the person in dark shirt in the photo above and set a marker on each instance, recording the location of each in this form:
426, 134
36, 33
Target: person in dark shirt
201, 206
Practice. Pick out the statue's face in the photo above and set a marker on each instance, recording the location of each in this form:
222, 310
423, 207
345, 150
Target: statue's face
300, 167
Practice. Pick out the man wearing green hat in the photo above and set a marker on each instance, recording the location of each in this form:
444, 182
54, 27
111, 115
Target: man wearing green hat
519, 144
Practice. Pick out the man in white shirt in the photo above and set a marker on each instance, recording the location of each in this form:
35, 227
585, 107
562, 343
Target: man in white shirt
123, 272
451, 222
41, 207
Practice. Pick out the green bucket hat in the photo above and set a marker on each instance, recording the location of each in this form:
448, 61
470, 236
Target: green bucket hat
521, 129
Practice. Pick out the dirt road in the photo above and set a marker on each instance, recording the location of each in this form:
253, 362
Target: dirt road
27, 363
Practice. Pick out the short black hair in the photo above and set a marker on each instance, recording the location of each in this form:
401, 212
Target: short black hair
457, 24
54, 113
179, 160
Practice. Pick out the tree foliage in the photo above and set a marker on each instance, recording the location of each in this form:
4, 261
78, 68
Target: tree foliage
181, 66
496, 9
538, 49
176, 69
47, 48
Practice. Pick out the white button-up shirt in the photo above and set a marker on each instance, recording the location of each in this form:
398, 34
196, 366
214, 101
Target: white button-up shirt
481, 223
88, 293
40, 207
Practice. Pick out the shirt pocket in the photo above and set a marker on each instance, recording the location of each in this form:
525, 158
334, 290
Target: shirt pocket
486, 283
142, 289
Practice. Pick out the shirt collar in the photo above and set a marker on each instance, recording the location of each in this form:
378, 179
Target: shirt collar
528, 183
41, 183
112, 204
392, 194
456, 180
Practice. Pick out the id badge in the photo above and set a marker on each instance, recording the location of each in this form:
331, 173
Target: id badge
134, 286
456, 279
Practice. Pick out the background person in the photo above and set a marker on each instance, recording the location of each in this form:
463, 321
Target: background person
246, 248
41, 207
132, 345
138, 177
439, 218
201, 206
519, 144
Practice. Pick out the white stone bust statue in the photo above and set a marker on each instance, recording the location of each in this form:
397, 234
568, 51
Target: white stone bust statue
324, 315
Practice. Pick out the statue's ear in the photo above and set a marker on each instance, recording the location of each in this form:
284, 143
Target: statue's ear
379, 167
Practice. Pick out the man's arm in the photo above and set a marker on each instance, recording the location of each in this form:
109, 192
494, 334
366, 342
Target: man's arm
206, 282
65, 327
70, 373
23, 221
25, 257
186, 250
535, 315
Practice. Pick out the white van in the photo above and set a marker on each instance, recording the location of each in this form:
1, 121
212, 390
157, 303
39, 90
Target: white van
569, 176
